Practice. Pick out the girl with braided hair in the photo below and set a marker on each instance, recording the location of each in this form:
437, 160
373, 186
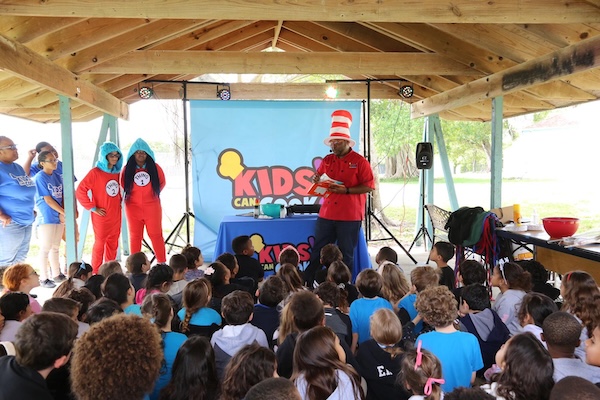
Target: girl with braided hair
157, 307
143, 180
195, 315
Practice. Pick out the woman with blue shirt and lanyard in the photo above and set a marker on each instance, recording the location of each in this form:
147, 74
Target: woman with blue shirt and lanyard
51, 215
17, 191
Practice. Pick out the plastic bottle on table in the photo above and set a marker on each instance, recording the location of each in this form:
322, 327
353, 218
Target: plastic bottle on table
517, 214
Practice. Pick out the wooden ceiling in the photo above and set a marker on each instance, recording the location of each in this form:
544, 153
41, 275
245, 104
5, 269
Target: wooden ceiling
538, 54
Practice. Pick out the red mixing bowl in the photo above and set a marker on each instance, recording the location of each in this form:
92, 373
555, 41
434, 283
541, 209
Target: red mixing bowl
559, 227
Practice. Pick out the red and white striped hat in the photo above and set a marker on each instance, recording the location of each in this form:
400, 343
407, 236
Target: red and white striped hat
341, 120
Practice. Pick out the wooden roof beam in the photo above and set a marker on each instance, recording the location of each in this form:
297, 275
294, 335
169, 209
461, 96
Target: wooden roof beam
200, 62
430, 11
576, 58
30, 66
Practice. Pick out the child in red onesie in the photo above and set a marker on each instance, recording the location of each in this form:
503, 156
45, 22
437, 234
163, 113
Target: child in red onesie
143, 180
100, 193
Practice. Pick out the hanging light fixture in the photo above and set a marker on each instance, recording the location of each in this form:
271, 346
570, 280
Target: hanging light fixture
331, 92
224, 93
406, 91
146, 92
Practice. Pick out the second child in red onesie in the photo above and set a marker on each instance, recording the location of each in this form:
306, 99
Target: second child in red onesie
143, 180
100, 193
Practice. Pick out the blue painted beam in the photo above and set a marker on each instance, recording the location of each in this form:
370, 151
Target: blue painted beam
68, 184
496, 173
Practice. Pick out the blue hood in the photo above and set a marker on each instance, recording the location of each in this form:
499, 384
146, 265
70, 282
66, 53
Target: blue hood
140, 144
102, 163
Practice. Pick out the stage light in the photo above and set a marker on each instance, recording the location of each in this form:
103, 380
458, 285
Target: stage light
331, 92
224, 93
145, 92
406, 91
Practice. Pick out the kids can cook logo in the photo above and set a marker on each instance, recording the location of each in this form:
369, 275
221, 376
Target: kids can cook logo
268, 254
271, 184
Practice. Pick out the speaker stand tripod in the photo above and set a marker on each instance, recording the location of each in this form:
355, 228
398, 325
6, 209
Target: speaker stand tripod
422, 233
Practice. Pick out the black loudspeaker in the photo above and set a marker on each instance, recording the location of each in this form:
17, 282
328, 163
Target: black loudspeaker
424, 156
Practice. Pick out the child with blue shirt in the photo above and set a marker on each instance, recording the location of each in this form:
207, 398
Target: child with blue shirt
458, 352
420, 278
196, 316
50, 217
369, 284
157, 307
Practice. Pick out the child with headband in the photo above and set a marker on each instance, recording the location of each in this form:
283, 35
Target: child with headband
422, 374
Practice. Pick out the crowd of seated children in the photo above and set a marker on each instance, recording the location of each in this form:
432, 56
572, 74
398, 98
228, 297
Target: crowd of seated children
194, 258
157, 308
440, 254
160, 278
320, 368
194, 374
339, 273
561, 332
237, 308
120, 357
249, 267
250, 365
266, 312
458, 352
369, 284
229, 260
379, 359
339, 322
137, 265
420, 279
15, 309
395, 286
525, 370
329, 253
43, 343
469, 272
513, 283
534, 309
421, 374
477, 317
314, 350
22, 278
581, 297
195, 315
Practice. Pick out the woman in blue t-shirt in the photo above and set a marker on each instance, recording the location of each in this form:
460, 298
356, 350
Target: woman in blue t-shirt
51, 215
17, 191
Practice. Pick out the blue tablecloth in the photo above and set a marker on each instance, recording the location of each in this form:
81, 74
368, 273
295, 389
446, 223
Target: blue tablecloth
270, 236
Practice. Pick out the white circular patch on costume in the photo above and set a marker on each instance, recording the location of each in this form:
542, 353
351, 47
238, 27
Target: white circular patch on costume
141, 178
112, 188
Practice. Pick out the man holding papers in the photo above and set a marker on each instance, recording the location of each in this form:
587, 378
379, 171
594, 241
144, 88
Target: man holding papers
343, 207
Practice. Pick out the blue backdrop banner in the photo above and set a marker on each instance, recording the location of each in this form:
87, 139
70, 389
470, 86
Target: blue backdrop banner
244, 150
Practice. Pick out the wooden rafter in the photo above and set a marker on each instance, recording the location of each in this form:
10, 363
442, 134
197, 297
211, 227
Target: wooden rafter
429, 11
32, 67
569, 60
174, 62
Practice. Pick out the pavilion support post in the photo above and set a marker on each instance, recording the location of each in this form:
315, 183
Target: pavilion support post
68, 184
441, 143
496, 173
